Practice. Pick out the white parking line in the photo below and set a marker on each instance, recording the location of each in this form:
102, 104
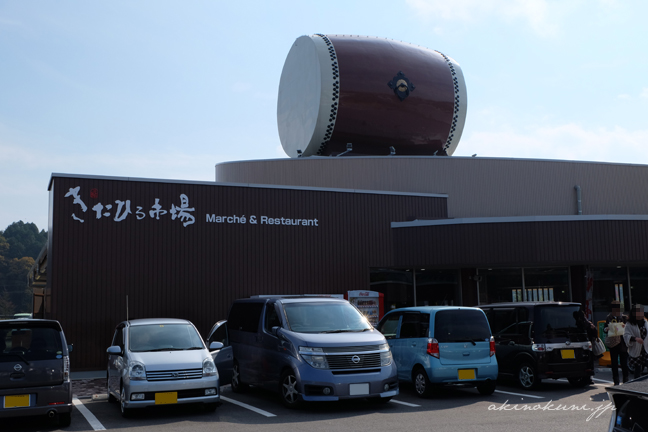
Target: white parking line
96, 424
602, 380
250, 407
520, 394
405, 403
593, 379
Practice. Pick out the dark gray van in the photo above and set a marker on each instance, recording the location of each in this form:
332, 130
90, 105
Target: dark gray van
309, 349
539, 340
35, 370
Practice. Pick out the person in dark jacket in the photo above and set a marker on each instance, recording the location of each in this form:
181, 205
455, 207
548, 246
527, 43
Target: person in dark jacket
616, 344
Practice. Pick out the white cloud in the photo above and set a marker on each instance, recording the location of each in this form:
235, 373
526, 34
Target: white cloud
568, 141
644, 93
624, 96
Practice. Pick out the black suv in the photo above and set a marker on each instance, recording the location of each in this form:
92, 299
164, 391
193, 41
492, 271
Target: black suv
539, 340
34, 370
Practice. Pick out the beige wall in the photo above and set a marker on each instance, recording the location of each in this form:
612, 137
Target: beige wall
477, 187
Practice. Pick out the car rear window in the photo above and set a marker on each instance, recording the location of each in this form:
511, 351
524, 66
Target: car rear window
556, 321
461, 325
29, 342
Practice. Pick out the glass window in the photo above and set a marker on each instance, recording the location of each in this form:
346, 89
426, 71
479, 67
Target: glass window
433, 287
609, 283
324, 317
389, 326
639, 285
28, 343
118, 339
245, 317
163, 337
461, 326
220, 335
555, 321
271, 318
396, 286
503, 320
547, 284
414, 325
500, 285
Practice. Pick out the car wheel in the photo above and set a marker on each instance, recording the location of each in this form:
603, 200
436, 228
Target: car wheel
422, 384
64, 419
111, 398
579, 382
486, 388
237, 384
289, 390
527, 376
125, 412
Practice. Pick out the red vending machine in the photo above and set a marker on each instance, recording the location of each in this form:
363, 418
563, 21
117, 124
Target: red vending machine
370, 304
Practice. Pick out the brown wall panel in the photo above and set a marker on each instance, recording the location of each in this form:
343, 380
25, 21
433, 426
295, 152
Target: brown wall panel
605, 242
195, 272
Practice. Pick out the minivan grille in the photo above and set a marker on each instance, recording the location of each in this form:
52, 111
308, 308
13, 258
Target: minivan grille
346, 361
172, 375
351, 349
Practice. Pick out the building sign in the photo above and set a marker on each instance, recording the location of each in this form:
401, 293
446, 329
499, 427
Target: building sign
121, 209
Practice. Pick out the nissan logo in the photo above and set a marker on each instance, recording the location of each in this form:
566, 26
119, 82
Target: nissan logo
567, 342
355, 359
175, 374
17, 368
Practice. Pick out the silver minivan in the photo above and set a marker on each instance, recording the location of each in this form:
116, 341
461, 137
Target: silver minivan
160, 361
307, 349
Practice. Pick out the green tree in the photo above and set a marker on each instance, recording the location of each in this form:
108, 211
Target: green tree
20, 245
16, 283
7, 308
24, 240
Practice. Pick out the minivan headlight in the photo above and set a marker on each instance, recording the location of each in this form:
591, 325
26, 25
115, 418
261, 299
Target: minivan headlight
209, 368
385, 356
314, 357
136, 371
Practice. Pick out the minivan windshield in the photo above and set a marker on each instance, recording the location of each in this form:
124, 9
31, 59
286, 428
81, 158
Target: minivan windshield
325, 317
164, 337
29, 342
461, 325
554, 321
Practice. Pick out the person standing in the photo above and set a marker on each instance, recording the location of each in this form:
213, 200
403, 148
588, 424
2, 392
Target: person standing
634, 336
616, 343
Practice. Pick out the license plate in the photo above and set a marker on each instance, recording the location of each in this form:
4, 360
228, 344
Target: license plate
16, 401
359, 389
567, 354
466, 374
166, 398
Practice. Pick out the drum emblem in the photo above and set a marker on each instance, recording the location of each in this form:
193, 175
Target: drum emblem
401, 85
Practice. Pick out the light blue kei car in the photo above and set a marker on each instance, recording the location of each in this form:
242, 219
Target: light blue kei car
441, 345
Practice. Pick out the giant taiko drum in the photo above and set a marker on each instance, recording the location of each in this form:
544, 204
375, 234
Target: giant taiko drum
374, 93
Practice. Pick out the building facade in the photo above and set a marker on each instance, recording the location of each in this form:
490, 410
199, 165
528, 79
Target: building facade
420, 230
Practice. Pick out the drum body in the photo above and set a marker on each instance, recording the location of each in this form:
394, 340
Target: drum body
382, 96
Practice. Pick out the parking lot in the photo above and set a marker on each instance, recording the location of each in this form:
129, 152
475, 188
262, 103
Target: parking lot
554, 405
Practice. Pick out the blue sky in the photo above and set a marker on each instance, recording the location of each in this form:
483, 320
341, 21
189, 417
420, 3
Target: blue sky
168, 89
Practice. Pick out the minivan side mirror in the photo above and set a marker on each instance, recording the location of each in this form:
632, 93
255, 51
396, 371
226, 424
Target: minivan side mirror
114, 350
70, 348
215, 346
275, 330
